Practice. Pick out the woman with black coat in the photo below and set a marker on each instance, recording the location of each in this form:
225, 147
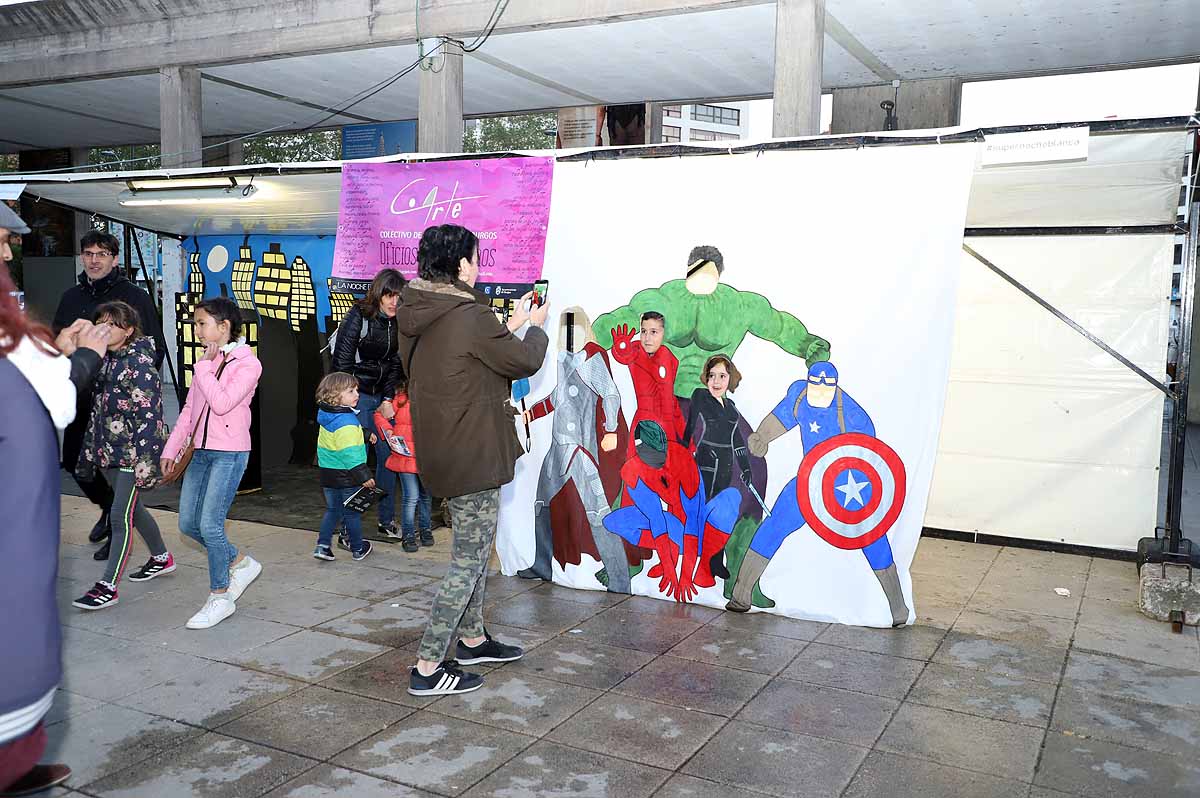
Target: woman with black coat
367, 347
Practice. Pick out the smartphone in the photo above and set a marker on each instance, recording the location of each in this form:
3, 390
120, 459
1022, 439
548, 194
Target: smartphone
541, 290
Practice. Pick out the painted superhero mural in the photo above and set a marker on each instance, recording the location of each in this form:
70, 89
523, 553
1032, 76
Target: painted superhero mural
692, 498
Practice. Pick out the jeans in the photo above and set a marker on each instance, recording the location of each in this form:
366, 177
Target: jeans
413, 497
334, 512
209, 486
384, 480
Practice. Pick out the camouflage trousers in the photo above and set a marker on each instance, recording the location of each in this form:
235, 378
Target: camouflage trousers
458, 607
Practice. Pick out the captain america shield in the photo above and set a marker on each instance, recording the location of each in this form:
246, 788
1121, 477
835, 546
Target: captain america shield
851, 489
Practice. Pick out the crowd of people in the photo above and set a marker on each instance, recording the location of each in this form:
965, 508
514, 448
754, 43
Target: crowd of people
423, 361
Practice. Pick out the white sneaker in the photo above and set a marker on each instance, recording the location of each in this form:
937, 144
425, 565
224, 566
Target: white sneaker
242, 575
218, 607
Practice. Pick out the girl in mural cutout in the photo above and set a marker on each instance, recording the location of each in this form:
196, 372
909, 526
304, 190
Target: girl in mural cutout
123, 440
721, 442
368, 348
217, 414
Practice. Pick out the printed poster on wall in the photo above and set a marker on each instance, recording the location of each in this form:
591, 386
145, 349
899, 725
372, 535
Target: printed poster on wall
748, 365
385, 207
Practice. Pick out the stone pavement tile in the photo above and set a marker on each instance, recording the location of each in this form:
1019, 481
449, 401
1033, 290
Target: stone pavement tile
742, 650
118, 668
327, 781
663, 608
280, 545
1016, 627
236, 634
528, 639
1002, 749
952, 586
213, 766
679, 786
776, 762
135, 619
385, 677
937, 614
530, 611
300, 607
1115, 580
518, 702
67, 705
434, 752
569, 660
694, 685
989, 695
1140, 681
110, 739
308, 655
877, 674
640, 731
884, 774
499, 586
211, 693
769, 624
601, 598
316, 723
387, 623
358, 580
638, 630
1106, 770
547, 770
1086, 713
1030, 591
1020, 660
939, 552
1046, 792
433, 567
818, 711
1113, 627
1020, 560
909, 642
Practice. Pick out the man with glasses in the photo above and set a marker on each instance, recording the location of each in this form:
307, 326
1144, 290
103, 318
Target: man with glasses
100, 282
821, 409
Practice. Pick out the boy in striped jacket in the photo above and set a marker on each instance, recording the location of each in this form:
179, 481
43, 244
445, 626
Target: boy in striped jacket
342, 456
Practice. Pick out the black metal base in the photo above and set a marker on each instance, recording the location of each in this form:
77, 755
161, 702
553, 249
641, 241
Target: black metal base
1158, 550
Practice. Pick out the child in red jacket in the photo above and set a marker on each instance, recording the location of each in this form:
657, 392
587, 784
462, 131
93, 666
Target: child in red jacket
397, 431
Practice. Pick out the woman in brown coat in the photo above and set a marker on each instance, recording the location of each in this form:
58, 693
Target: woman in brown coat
461, 361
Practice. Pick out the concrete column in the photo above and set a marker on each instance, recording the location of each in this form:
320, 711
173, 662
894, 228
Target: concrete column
179, 114
223, 152
654, 123
440, 103
920, 105
799, 54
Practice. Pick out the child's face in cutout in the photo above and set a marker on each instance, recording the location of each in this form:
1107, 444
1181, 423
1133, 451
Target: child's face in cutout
651, 335
349, 397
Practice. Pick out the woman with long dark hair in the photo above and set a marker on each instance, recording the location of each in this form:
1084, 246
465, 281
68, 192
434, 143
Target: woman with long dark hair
367, 346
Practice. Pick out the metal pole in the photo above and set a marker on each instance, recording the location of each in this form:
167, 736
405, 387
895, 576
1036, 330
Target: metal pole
157, 309
1183, 368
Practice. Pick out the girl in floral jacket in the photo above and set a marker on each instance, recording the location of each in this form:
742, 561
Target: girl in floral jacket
125, 440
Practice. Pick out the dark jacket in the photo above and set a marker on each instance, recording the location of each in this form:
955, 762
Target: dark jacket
341, 449
31, 665
460, 360
373, 359
80, 302
126, 427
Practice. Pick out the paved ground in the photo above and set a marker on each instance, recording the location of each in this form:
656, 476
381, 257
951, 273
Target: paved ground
1002, 689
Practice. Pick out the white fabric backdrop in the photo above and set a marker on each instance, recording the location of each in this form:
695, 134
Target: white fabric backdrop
1047, 437
863, 246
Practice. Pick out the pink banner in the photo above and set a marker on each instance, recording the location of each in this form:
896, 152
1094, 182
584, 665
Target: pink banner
385, 207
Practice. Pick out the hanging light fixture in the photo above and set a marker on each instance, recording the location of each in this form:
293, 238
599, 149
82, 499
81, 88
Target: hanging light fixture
186, 191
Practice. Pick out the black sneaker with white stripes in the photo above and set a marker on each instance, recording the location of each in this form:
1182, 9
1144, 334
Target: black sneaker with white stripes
448, 679
490, 650
153, 567
99, 597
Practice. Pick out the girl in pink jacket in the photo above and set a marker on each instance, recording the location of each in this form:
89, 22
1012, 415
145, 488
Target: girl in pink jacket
216, 418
